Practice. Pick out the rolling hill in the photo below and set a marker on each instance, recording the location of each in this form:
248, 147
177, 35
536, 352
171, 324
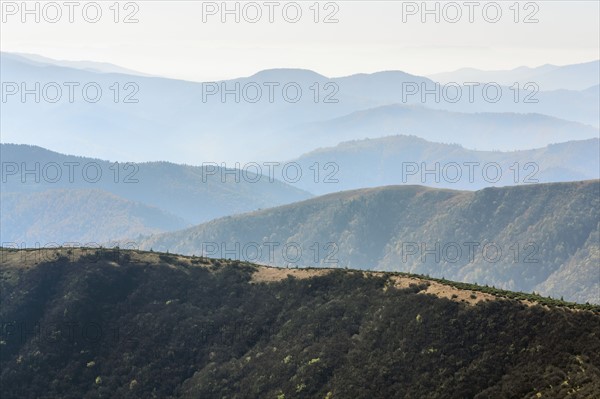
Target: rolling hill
50, 197
520, 238
192, 193
85, 323
78, 215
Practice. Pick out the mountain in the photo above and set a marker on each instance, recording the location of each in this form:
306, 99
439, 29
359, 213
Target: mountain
412, 160
84, 323
191, 194
548, 77
78, 215
481, 131
592, 90
155, 118
92, 66
519, 238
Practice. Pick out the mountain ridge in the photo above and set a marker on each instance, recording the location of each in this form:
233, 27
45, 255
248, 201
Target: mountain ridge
403, 159
187, 194
177, 327
537, 229
200, 115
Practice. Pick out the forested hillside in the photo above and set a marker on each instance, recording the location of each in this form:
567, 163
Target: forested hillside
127, 324
519, 238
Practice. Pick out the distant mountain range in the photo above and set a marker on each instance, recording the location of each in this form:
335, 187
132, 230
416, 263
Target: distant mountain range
164, 119
130, 199
548, 77
412, 160
521, 238
92, 66
474, 131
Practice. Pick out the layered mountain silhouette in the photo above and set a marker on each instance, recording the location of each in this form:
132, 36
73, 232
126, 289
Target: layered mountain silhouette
59, 200
153, 118
167, 195
548, 77
92, 66
412, 160
479, 131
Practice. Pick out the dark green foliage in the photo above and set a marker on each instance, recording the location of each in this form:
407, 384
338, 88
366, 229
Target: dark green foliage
174, 329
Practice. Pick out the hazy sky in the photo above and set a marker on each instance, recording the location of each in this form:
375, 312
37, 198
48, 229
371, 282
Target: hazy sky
171, 38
